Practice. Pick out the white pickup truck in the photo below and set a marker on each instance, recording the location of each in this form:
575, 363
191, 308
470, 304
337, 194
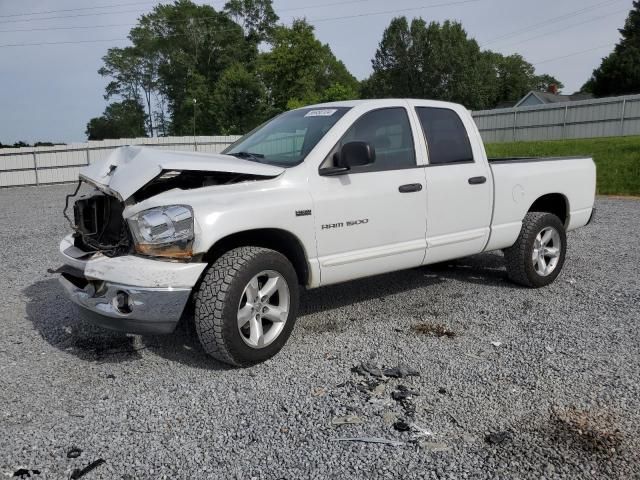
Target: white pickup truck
316, 196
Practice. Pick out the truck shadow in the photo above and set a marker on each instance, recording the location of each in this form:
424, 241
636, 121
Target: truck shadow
58, 321
485, 269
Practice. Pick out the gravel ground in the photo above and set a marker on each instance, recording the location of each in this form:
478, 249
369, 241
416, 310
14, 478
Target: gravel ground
559, 393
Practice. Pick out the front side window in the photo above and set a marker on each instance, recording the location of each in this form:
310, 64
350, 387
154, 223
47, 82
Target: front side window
446, 136
287, 139
388, 131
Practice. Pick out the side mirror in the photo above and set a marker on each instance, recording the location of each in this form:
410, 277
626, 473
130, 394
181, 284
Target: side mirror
355, 154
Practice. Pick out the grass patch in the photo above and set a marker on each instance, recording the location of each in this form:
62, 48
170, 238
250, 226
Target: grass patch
617, 158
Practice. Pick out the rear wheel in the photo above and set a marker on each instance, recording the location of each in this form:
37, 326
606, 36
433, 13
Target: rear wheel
537, 257
246, 305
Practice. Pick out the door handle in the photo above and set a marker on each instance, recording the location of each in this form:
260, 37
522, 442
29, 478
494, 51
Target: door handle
477, 180
410, 187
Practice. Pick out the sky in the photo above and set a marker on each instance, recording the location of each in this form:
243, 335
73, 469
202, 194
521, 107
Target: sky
49, 92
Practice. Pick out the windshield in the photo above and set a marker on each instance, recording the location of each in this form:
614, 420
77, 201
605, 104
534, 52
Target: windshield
287, 139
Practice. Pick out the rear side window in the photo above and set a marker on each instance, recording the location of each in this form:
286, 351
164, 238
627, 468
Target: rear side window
389, 132
446, 136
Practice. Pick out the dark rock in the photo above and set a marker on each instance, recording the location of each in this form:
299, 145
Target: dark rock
495, 438
401, 426
74, 453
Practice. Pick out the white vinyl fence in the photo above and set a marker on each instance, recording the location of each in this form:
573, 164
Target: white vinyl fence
61, 163
603, 117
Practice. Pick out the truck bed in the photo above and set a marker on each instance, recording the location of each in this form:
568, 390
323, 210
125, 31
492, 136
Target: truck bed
516, 188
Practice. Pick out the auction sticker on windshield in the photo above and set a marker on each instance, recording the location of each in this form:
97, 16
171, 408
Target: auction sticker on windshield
321, 113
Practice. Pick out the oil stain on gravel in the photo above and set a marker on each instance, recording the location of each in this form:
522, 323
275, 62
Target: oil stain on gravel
592, 430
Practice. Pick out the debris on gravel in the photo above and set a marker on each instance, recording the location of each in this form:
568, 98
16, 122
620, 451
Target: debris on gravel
383, 441
74, 453
79, 473
23, 473
347, 420
318, 391
402, 426
402, 393
496, 438
400, 371
433, 329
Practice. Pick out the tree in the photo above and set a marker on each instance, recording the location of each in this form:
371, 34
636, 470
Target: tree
239, 101
299, 69
179, 52
439, 61
124, 119
431, 61
257, 18
543, 83
619, 73
134, 73
18, 144
515, 77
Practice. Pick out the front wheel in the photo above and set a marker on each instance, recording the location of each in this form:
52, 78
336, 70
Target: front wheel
537, 257
246, 305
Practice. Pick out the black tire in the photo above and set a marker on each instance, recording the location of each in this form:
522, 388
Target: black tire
520, 267
218, 298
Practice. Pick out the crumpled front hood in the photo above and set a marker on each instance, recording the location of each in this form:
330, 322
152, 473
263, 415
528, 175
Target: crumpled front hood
128, 169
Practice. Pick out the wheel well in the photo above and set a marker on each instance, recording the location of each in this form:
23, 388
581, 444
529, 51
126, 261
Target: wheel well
275, 239
555, 203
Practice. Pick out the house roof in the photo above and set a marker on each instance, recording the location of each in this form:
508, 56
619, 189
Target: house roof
546, 98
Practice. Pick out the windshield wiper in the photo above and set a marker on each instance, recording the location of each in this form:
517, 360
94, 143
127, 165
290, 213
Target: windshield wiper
248, 156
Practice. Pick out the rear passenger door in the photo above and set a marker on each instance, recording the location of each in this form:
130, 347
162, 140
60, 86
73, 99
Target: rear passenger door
459, 186
372, 219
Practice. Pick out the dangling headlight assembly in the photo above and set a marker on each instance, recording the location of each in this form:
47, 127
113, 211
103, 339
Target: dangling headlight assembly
163, 231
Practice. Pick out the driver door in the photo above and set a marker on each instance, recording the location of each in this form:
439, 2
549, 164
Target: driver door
372, 219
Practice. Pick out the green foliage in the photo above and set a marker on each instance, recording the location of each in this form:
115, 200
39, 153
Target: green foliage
134, 73
439, 61
542, 83
338, 92
18, 144
617, 159
619, 73
239, 101
197, 70
256, 17
124, 119
194, 45
299, 69
515, 77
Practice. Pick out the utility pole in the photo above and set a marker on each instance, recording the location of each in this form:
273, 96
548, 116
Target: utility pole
195, 105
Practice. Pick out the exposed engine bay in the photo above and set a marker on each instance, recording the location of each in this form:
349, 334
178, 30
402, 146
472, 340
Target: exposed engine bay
190, 179
98, 223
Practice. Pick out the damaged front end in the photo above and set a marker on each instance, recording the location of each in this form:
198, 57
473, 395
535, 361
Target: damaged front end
131, 175
166, 231
98, 224
191, 179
